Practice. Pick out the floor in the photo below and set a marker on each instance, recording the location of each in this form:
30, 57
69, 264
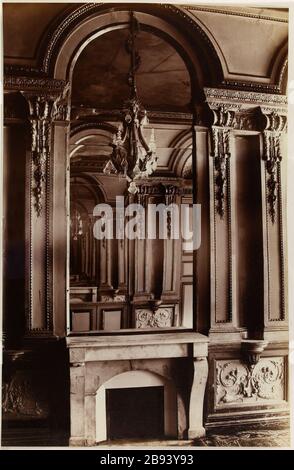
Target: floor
268, 438
264, 438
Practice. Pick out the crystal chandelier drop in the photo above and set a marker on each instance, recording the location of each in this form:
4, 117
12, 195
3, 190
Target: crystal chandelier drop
132, 157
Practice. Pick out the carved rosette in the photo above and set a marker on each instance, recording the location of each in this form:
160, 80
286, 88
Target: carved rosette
275, 125
237, 382
161, 318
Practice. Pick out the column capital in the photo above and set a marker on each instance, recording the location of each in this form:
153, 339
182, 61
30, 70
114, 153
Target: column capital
45, 106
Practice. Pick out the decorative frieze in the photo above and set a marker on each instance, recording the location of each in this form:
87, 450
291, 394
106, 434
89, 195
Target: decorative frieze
251, 98
33, 84
237, 382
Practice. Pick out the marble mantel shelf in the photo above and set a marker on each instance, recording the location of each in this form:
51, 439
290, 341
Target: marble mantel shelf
100, 348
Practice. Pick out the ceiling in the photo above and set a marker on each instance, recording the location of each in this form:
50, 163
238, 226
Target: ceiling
100, 74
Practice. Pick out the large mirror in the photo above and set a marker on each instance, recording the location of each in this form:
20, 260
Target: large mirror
131, 186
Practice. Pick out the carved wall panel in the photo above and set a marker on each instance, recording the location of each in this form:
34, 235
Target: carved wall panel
23, 396
248, 232
237, 383
235, 112
163, 317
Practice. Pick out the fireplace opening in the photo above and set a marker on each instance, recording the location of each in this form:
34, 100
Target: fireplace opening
136, 412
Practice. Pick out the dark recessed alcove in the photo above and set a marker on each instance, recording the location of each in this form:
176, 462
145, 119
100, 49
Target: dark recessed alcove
135, 413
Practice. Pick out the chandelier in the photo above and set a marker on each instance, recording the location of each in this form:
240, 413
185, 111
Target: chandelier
132, 157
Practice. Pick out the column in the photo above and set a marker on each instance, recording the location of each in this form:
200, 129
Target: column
47, 101
223, 300
171, 250
272, 169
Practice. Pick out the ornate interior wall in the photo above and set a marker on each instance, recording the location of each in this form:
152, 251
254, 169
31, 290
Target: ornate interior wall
238, 114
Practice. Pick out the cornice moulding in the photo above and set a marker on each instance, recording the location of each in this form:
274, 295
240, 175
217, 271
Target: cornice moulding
33, 84
242, 12
219, 96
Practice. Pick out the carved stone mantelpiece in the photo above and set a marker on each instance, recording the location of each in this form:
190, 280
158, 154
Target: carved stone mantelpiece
167, 356
237, 382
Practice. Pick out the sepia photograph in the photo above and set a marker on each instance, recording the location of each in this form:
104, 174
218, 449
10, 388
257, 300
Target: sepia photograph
144, 283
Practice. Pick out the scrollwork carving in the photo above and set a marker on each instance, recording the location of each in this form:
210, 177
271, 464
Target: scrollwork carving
241, 96
241, 383
161, 318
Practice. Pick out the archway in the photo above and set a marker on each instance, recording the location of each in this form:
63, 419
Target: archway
135, 379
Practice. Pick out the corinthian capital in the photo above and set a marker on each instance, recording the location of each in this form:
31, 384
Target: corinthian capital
275, 124
43, 108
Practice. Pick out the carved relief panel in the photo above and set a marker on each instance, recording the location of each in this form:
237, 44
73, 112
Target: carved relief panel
238, 383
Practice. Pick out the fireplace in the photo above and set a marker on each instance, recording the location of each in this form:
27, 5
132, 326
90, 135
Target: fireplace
136, 412
137, 386
124, 402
